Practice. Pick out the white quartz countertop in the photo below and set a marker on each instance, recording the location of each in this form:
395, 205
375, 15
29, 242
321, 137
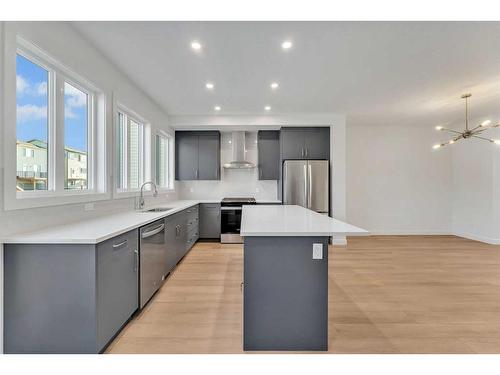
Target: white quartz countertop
99, 229
294, 221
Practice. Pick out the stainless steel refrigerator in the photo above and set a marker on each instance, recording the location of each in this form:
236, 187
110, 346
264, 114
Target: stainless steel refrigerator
305, 183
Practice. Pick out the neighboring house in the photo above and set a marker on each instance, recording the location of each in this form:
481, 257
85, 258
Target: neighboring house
76, 169
32, 167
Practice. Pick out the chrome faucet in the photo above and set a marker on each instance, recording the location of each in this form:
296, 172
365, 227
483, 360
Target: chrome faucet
140, 204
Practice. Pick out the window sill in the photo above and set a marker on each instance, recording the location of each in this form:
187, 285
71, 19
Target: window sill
121, 194
47, 199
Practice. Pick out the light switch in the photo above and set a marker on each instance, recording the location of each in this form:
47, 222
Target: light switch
317, 251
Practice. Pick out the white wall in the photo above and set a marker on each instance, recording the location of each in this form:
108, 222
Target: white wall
476, 189
70, 48
396, 182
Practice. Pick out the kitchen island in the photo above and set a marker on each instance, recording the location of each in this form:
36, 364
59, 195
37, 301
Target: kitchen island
286, 276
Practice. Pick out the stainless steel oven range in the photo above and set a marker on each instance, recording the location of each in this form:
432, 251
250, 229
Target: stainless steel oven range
231, 218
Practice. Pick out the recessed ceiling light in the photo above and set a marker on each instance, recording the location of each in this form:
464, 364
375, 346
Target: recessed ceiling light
267, 107
286, 44
217, 108
196, 45
210, 85
274, 85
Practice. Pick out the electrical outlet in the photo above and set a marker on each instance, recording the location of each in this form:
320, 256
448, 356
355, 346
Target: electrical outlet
191, 190
257, 190
317, 251
88, 207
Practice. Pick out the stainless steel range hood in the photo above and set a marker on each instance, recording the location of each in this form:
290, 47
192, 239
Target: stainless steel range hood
238, 161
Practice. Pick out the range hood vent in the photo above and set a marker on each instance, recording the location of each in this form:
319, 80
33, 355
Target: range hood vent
238, 161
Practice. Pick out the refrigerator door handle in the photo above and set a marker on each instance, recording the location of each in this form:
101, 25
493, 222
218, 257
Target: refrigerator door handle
309, 189
306, 195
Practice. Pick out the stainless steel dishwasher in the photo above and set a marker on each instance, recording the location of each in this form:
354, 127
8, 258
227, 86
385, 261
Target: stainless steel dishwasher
152, 260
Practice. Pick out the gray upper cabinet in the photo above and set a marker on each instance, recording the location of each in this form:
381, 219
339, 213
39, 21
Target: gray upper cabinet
269, 154
197, 155
292, 143
186, 157
305, 143
209, 156
317, 143
210, 220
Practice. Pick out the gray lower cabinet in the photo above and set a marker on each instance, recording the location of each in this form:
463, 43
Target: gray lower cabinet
197, 155
171, 244
68, 298
285, 294
269, 154
209, 220
305, 143
181, 234
192, 226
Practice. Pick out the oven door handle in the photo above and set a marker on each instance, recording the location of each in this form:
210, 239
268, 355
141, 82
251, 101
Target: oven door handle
230, 208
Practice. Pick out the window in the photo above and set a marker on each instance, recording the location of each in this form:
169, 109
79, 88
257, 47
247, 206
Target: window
163, 174
76, 128
32, 122
57, 133
135, 151
131, 147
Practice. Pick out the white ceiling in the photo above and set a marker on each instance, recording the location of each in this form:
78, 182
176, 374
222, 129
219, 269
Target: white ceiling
373, 72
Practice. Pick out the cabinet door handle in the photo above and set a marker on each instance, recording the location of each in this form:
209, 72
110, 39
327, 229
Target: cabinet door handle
196, 174
118, 245
136, 260
306, 152
302, 152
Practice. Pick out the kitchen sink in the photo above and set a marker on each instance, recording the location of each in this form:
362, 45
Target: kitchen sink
158, 209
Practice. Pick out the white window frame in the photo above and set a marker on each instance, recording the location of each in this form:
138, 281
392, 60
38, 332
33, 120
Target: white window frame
57, 75
144, 153
91, 132
170, 164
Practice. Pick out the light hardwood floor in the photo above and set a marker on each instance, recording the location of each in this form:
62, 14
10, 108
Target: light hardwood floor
387, 294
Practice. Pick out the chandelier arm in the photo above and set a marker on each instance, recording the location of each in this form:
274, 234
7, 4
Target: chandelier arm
466, 115
478, 131
484, 139
480, 128
451, 131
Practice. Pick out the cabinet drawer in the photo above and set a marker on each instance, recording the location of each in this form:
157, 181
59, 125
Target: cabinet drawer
121, 242
192, 225
191, 240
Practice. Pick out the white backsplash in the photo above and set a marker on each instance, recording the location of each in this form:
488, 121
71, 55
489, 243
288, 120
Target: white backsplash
233, 182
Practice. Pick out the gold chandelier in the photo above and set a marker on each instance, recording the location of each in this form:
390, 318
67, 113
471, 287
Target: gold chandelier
468, 133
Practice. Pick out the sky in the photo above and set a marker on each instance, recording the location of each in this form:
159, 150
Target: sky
32, 98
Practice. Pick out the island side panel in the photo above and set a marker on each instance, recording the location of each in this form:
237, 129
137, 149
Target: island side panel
49, 297
285, 294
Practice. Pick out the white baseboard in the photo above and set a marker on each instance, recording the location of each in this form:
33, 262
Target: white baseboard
339, 241
409, 233
469, 236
